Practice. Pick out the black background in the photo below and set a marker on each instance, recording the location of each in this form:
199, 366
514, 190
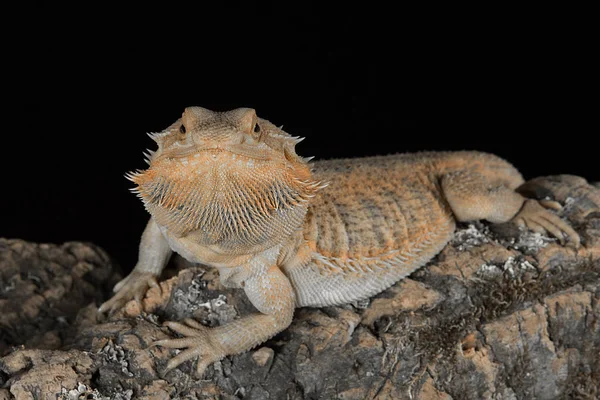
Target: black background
86, 84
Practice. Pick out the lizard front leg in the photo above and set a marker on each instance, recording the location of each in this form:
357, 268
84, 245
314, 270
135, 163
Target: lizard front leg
154, 253
270, 292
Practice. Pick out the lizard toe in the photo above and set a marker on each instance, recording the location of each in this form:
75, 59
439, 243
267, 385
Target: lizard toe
182, 357
535, 226
554, 205
194, 324
134, 287
536, 216
196, 344
186, 330
113, 304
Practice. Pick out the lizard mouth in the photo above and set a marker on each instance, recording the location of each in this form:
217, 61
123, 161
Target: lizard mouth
242, 150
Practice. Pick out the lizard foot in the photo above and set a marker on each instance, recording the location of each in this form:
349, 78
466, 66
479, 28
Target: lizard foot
134, 286
535, 215
197, 341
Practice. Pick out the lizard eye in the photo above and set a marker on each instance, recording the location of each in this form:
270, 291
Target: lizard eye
182, 129
256, 128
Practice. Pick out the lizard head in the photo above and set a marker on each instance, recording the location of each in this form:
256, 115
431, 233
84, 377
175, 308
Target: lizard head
239, 132
226, 173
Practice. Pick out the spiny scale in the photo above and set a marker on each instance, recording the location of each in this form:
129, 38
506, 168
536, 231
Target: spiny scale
148, 154
157, 135
294, 140
133, 175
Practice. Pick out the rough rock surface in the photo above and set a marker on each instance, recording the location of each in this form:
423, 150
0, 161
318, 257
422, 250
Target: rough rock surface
498, 314
43, 287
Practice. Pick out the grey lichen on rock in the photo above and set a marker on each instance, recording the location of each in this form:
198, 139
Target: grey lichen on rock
498, 314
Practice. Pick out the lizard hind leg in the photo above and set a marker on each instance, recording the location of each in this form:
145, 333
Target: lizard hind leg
473, 196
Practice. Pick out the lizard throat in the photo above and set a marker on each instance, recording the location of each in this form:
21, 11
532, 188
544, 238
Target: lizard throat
226, 205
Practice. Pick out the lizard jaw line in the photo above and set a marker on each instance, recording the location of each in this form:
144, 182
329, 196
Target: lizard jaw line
214, 150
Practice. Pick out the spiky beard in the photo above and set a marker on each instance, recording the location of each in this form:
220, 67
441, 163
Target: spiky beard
233, 202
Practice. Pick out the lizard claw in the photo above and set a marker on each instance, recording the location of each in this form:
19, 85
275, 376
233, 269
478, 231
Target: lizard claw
555, 205
535, 215
133, 287
197, 342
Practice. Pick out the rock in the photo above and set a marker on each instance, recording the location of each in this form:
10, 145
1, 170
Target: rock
43, 288
428, 391
498, 314
407, 295
46, 372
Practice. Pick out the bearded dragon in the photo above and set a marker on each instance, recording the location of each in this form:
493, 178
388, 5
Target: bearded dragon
227, 189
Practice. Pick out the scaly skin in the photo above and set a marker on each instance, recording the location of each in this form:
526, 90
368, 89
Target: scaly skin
228, 190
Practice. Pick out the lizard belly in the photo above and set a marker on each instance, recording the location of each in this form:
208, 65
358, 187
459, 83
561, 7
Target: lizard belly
328, 280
